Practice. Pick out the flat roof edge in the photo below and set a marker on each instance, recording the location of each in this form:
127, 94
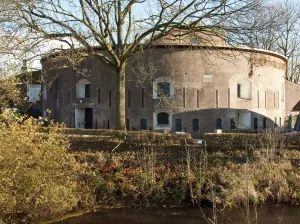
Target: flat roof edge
200, 47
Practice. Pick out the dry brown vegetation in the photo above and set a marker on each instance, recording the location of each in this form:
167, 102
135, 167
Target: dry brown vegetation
42, 177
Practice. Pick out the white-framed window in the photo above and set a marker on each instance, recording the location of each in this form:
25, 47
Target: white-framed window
83, 88
162, 119
244, 89
34, 93
163, 87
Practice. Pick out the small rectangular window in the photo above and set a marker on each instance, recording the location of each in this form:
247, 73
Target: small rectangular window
255, 125
143, 124
217, 99
99, 95
143, 97
178, 125
196, 124
198, 98
184, 97
219, 123
127, 123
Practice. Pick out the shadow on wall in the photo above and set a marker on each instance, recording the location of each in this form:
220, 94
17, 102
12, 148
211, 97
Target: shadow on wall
199, 122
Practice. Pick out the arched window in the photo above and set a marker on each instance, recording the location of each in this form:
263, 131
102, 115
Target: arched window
244, 89
196, 124
233, 124
83, 89
255, 123
162, 118
219, 123
265, 123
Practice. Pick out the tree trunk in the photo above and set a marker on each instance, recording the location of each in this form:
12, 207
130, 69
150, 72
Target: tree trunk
120, 97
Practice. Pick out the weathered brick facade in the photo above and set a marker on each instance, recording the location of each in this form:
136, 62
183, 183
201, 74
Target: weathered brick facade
204, 81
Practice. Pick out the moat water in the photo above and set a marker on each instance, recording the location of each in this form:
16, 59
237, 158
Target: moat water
265, 215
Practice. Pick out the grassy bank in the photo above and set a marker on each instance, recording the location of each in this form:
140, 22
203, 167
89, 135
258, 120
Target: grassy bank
188, 175
148, 169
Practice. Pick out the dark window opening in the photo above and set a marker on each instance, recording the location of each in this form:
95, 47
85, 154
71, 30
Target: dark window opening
87, 90
196, 124
143, 124
217, 99
233, 124
238, 90
219, 123
99, 95
108, 125
88, 117
280, 121
198, 97
163, 118
127, 124
184, 93
255, 125
143, 97
128, 98
163, 89
178, 124
265, 123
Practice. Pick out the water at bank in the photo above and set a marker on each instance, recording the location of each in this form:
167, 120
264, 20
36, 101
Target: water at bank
266, 215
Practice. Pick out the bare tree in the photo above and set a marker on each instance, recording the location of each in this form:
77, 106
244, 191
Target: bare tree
279, 27
288, 42
120, 27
